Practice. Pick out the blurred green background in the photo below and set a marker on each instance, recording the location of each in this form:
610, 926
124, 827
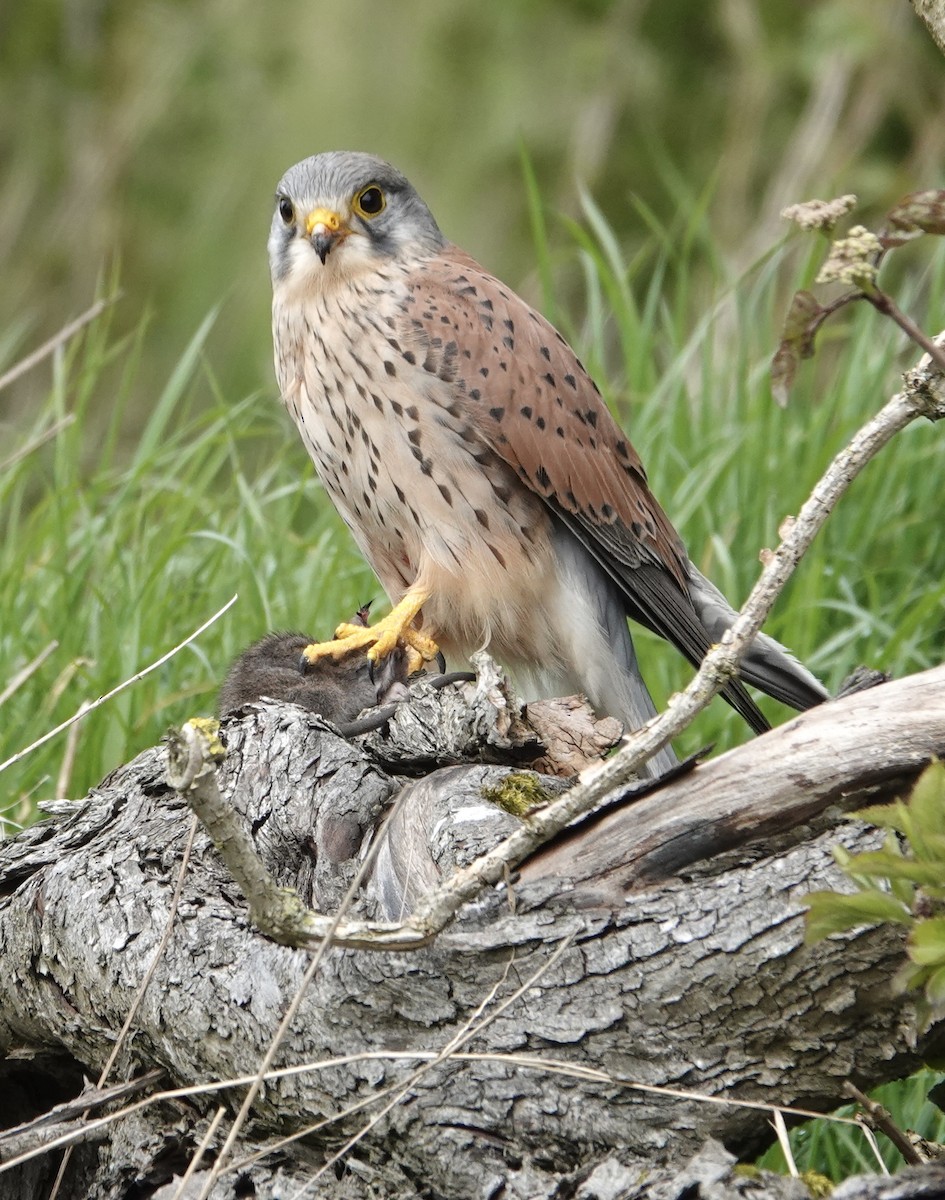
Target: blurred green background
151, 135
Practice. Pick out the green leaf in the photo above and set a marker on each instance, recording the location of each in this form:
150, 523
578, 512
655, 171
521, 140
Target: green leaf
879, 864
536, 213
154, 431
927, 942
903, 890
895, 816
931, 849
927, 801
843, 857
935, 989
833, 912
910, 978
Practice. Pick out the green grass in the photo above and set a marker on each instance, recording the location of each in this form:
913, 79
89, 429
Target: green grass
119, 556
839, 1151
120, 535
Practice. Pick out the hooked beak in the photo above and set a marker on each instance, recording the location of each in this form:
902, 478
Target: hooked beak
325, 227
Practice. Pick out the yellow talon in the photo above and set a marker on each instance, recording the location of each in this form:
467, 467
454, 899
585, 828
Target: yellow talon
382, 638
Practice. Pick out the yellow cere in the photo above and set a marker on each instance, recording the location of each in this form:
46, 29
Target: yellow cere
322, 216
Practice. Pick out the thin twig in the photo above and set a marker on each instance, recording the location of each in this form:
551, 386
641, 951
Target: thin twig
199, 1153
47, 348
470, 1029
87, 708
878, 1118
888, 307
30, 669
192, 755
158, 953
873, 1145
367, 1101
40, 440
68, 757
31, 1138
526, 1062
291, 1012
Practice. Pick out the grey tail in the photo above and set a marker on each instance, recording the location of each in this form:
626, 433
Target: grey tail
768, 666
613, 684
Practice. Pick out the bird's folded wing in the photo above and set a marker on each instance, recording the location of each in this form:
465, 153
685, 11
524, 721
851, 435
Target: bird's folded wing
535, 406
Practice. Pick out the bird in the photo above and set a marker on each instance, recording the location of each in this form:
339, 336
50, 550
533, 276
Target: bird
475, 461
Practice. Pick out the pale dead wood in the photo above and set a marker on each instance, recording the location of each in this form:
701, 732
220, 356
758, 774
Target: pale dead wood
841, 753
932, 12
702, 981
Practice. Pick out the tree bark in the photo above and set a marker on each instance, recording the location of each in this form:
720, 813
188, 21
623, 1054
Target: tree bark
661, 942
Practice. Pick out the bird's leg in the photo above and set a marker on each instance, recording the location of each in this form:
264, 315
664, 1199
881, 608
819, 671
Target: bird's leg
383, 637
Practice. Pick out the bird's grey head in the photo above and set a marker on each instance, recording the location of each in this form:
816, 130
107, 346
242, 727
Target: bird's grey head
341, 213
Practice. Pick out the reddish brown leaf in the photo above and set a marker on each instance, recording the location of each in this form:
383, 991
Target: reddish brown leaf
797, 342
920, 210
891, 238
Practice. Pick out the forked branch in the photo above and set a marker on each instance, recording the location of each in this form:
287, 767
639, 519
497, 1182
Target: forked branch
923, 395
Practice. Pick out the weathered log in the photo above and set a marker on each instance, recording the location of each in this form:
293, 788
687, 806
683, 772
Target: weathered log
673, 963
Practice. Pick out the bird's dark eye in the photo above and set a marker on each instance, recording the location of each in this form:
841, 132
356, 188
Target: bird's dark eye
286, 210
369, 201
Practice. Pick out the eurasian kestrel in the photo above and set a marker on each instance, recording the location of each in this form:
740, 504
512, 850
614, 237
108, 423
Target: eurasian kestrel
473, 458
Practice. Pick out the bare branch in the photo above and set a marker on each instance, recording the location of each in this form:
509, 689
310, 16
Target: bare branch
40, 440
59, 339
932, 12
923, 395
30, 669
878, 1118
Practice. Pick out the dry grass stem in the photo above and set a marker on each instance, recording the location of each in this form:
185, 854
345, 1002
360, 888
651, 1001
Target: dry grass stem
88, 707
57, 340
30, 669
